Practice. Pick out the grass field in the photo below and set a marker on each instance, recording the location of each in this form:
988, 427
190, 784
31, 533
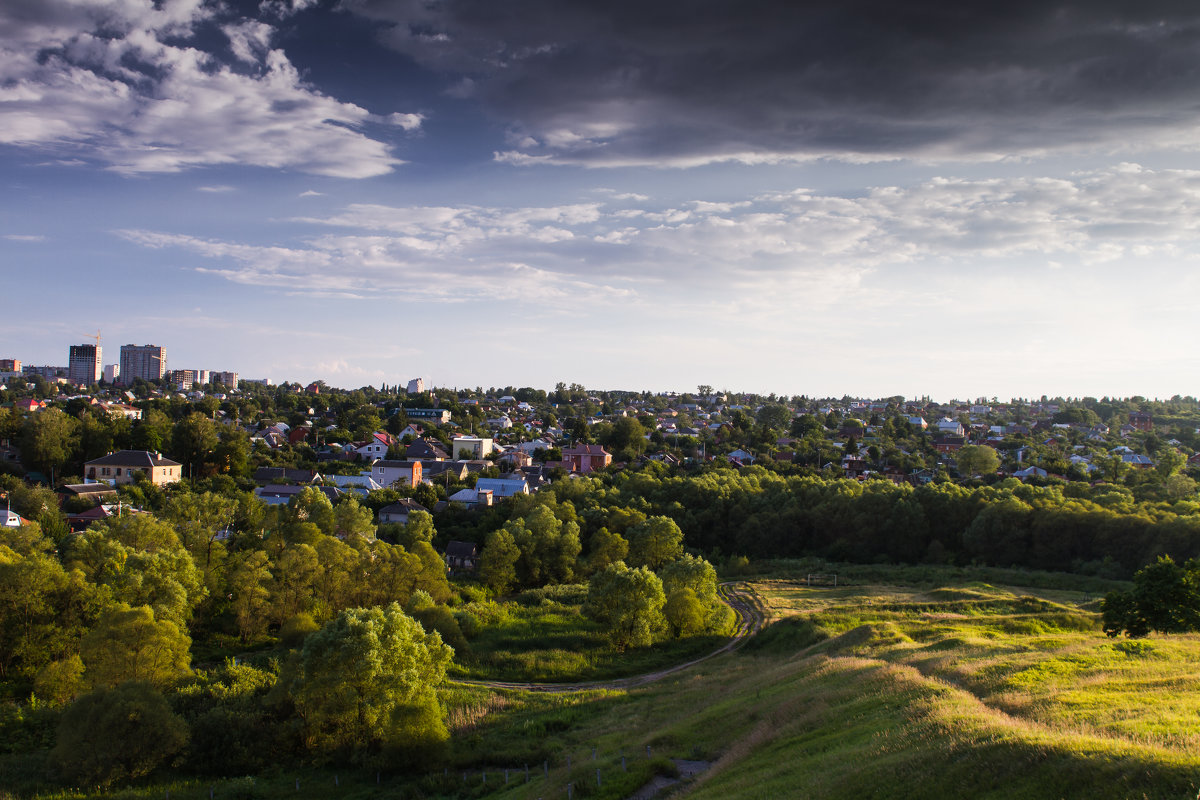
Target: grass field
883, 689
551, 641
890, 690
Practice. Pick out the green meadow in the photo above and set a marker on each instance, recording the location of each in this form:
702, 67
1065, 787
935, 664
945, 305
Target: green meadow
893, 684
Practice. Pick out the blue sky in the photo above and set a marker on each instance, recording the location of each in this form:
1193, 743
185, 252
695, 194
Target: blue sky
860, 197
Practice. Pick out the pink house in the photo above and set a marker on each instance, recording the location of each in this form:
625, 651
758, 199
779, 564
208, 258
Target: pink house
585, 458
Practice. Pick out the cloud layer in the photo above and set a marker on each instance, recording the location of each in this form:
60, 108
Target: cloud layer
126, 83
765, 251
675, 82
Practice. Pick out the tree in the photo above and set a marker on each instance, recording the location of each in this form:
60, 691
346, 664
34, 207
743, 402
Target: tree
774, 416
805, 424
117, 734
606, 548
368, 677
129, 644
1165, 598
352, 519
199, 520
498, 561
628, 602
193, 440
249, 579
654, 542
976, 459
684, 612
48, 440
418, 528
692, 583
1168, 462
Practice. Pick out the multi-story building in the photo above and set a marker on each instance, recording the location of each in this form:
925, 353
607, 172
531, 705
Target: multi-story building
439, 415
227, 379
147, 361
112, 372
416, 386
182, 379
84, 367
10, 365
47, 372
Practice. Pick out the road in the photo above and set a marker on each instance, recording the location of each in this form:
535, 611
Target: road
735, 594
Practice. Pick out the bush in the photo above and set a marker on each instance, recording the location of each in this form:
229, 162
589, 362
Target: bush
117, 734
296, 630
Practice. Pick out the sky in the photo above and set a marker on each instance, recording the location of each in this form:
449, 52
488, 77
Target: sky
858, 197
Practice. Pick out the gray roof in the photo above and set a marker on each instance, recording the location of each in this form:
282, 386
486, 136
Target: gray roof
134, 458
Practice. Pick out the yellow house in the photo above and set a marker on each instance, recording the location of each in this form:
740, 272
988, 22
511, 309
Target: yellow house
124, 466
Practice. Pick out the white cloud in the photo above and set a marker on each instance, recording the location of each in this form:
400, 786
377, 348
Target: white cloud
409, 122
757, 255
24, 237
120, 82
215, 189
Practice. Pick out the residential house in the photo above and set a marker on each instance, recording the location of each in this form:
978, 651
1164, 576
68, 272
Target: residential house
415, 431
276, 495
473, 498
438, 416
397, 513
11, 519
1030, 472
374, 448
426, 450
126, 466
83, 520
357, 484
461, 556
92, 491
265, 475
1141, 421
949, 444
950, 427
444, 471
1137, 461
468, 447
515, 459
744, 456
585, 458
502, 487
386, 472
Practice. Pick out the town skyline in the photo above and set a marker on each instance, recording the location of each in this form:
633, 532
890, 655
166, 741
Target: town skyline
1002, 202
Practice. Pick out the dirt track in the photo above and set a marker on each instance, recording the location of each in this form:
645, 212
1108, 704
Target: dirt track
734, 594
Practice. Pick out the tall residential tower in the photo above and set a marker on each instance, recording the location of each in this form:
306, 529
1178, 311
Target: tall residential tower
85, 367
146, 361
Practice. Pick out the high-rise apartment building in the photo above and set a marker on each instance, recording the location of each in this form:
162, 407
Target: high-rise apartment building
416, 386
10, 365
111, 373
146, 361
85, 367
226, 379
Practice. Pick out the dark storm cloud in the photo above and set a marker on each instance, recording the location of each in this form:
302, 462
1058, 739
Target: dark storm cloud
682, 81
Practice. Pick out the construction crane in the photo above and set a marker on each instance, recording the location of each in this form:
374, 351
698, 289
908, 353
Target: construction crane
96, 337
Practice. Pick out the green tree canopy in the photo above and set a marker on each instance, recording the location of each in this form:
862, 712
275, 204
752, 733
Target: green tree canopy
976, 459
628, 602
1165, 598
367, 678
498, 561
117, 734
654, 542
129, 644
